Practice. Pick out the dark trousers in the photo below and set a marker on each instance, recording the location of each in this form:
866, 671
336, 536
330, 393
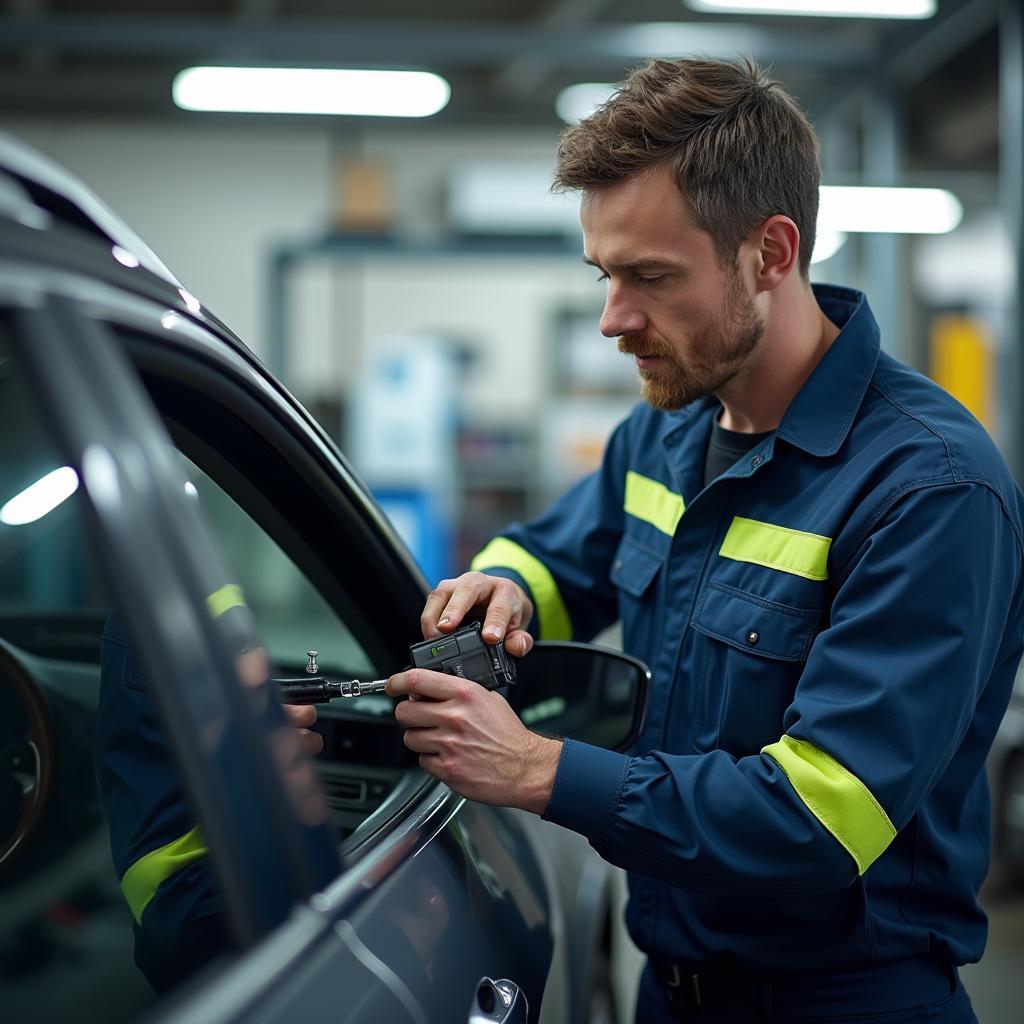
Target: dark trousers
909, 992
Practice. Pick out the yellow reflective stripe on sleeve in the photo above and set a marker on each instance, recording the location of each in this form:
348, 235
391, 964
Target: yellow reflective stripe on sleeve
792, 551
552, 616
653, 502
143, 878
837, 798
220, 601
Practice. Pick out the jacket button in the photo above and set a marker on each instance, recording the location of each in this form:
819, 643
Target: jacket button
756, 461
618, 563
752, 638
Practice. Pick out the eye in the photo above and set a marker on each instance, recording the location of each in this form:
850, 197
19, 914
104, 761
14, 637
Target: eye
650, 280
603, 277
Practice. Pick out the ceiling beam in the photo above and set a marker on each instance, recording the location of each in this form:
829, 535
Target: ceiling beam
38, 57
910, 54
423, 43
525, 74
257, 11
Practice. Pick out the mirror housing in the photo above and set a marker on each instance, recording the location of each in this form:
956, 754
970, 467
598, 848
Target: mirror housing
582, 692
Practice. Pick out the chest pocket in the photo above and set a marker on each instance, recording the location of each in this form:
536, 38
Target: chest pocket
636, 571
634, 567
753, 654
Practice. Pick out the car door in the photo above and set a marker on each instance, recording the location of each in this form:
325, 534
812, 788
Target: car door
438, 895
464, 897
473, 900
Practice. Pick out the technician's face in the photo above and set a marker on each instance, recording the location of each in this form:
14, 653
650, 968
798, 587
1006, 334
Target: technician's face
689, 321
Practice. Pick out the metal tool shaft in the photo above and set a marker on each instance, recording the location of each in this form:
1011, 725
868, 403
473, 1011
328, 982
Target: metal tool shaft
319, 691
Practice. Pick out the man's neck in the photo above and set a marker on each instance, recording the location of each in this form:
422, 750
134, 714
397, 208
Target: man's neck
797, 335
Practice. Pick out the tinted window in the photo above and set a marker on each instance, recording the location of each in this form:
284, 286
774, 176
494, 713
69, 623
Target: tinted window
66, 928
294, 617
53, 598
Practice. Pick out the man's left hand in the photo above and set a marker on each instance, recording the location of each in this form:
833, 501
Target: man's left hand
470, 739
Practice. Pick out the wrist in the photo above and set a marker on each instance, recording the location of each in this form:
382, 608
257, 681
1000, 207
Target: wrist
538, 779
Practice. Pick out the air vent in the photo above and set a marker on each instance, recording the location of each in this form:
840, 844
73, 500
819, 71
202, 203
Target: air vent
345, 792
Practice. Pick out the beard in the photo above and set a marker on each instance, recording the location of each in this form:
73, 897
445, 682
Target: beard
717, 352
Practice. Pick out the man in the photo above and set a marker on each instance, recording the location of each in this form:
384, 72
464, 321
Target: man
818, 553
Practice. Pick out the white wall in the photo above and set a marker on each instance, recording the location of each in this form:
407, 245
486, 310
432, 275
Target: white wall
208, 199
213, 199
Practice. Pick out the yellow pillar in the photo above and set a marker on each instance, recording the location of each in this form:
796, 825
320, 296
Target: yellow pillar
962, 363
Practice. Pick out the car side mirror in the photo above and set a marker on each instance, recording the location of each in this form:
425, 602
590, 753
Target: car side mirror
583, 692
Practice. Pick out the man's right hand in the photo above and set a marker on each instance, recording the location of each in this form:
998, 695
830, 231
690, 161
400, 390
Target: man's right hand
503, 605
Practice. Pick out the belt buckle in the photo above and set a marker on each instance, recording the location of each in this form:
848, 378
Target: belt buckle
674, 980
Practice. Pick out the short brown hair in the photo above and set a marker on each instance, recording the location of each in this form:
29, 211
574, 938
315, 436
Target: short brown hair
739, 147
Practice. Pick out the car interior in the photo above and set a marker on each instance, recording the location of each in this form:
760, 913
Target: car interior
301, 572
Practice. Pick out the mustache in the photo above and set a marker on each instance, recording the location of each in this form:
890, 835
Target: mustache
638, 345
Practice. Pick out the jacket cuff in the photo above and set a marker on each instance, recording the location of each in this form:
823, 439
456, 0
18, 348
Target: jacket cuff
587, 786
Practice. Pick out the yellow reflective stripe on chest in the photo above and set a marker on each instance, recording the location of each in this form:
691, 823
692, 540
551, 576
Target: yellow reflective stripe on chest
143, 878
653, 502
792, 551
836, 797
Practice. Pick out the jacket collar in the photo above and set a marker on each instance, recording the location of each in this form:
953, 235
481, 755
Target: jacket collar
822, 411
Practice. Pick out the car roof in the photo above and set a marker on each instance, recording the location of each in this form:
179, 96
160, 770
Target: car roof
61, 212
38, 175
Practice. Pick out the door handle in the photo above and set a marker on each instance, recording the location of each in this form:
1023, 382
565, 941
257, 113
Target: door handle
498, 1002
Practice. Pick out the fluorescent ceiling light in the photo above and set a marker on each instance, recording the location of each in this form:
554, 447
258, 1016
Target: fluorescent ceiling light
311, 91
575, 102
40, 498
826, 244
915, 211
820, 8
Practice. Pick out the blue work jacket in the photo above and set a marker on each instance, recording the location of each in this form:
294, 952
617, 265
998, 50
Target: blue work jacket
833, 627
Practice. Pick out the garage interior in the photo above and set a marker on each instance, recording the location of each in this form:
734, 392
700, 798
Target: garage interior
387, 267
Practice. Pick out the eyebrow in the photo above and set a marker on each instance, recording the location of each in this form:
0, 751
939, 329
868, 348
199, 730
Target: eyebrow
647, 263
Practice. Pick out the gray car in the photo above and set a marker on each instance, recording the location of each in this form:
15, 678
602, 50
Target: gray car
149, 462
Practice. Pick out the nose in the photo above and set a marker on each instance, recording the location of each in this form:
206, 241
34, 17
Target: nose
621, 315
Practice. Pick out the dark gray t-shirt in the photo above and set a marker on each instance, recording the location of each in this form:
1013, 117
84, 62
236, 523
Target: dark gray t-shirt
725, 447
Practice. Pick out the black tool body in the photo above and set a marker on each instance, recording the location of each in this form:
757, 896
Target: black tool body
465, 653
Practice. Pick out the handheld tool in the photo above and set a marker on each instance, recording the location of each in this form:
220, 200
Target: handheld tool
463, 653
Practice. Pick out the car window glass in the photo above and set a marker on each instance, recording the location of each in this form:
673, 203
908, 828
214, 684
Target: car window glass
53, 598
90, 800
294, 618
292, 560
365, 769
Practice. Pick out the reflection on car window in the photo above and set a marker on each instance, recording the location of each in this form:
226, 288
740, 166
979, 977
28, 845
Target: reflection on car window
52, 596
293, 616
78, 916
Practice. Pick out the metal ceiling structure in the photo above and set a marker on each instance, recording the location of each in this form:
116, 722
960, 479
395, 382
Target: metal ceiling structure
506, 59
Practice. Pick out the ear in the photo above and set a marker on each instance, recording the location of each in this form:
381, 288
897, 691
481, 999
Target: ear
777, 243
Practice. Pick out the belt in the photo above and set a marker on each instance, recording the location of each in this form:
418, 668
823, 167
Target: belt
872, 988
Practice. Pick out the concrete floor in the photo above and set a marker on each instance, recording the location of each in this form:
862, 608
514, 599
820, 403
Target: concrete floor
996, 984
